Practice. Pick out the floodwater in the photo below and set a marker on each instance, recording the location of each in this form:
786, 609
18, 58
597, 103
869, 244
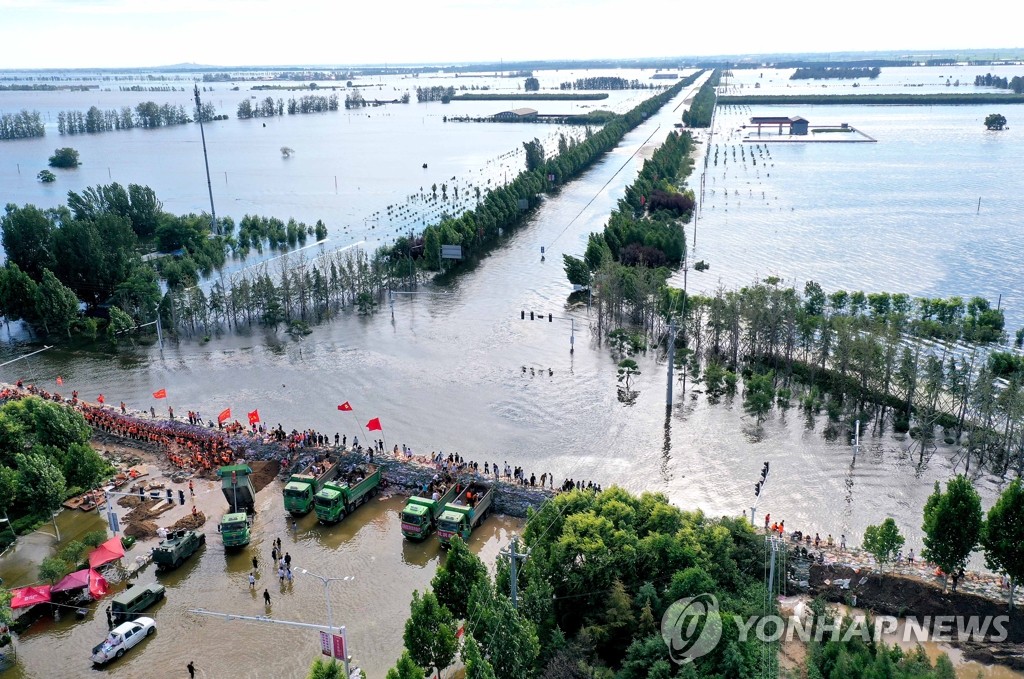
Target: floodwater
368, 546
447, 373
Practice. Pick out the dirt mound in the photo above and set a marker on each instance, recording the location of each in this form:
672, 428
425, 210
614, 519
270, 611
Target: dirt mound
903, 596
263, 472
141, 530
129, 501
190, 522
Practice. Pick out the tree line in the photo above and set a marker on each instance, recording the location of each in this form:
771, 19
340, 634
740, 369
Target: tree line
605, 572
21, 125
87, 252
147, 114
435, 93
988, 80
703, 105
475, 230
834, 72
606, 83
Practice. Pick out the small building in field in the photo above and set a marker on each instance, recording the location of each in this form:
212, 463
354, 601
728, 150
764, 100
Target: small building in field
796, 124
517, 114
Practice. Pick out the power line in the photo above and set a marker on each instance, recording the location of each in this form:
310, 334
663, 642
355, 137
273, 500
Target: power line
605, 186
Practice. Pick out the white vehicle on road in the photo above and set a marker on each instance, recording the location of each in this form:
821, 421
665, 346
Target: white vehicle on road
122, 638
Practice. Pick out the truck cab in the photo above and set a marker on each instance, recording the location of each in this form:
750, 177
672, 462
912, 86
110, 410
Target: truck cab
454, 521
330, 503
234, 529
416, 520
298, 496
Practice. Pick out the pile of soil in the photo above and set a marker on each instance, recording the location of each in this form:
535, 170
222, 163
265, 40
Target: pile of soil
190, 522
129, 501
141, 530
906, 596
263, 472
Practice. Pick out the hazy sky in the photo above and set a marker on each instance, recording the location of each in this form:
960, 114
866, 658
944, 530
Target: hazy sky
111, 33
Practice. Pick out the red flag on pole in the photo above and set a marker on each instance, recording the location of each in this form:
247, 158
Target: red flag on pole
60, 380
224, 415
162, 393
374, 425
254, 417
346, 406
100, 398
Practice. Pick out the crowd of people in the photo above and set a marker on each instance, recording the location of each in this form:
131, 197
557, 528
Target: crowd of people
192, 445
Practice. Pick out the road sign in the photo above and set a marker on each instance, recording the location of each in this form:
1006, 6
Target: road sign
339, 646
325, 643
524, 204
451, 252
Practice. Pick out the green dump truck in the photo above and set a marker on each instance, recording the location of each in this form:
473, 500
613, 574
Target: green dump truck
302, 487
234, 529
339, 498
179, 546
238, 491
466, 513
419, 518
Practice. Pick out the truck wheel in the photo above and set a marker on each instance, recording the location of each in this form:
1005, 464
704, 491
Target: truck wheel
119, 653
202, 539
177, 562
150, 631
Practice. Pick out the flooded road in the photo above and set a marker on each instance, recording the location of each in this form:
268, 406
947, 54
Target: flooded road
447, 374
367, 546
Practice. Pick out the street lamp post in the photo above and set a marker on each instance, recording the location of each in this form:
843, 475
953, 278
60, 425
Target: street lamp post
330, 614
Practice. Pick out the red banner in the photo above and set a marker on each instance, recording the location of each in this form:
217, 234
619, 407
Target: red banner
161, 393
346, 407
224, 416
254, 417
374, 425
339, 646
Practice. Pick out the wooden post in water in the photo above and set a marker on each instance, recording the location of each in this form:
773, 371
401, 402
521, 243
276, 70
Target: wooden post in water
979, 206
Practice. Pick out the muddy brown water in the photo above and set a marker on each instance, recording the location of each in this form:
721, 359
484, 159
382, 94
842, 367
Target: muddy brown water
368, 545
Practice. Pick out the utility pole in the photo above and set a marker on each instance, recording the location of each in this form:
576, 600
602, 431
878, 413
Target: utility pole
514, 558
758, 489
671, 360
206, 161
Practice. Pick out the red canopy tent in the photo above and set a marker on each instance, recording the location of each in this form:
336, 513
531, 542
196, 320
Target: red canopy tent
111, 550
97, 584
76, 580
30, 596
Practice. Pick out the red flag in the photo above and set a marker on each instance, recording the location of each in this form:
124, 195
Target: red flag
162, 393
346, 406
224, 415
374, 425
462, 630
100, 398
254, 417
60, 380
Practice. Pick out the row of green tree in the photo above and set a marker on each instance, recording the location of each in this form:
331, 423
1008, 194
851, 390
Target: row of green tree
313, 103
21, 125
88, 252
148, 114
604, 573
435, 93
646, 228
1016, 83
702, 107
955, 527
265, 108
606, 83
504, 207
834, 72
45, 458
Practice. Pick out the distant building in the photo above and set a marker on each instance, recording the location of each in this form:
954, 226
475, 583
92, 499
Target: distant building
517, 114
796, 124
